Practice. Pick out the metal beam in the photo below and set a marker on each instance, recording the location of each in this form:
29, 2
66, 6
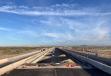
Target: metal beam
13, 66
97, 64
16, 58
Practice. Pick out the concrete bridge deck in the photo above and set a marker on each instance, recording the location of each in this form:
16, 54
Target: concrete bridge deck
56, 62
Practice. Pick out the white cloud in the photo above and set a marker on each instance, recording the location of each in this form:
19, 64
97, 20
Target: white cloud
102, 33
52, 35
87, 30
5, 29
59, 36
69, 29
36, 11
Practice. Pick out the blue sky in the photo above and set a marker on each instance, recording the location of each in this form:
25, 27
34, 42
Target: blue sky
55, 22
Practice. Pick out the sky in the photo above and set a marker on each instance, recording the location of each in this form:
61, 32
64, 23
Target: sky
55, 22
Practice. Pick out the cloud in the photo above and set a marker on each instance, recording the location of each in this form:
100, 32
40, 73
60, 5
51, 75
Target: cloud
59, 28
85, 29
102, 32
59, 36
5, 29
52, 35
66, 10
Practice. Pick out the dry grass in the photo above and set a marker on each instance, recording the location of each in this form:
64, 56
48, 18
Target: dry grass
101, 51
14, 51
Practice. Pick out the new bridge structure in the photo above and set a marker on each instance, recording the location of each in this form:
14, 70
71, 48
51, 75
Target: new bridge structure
53, 62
